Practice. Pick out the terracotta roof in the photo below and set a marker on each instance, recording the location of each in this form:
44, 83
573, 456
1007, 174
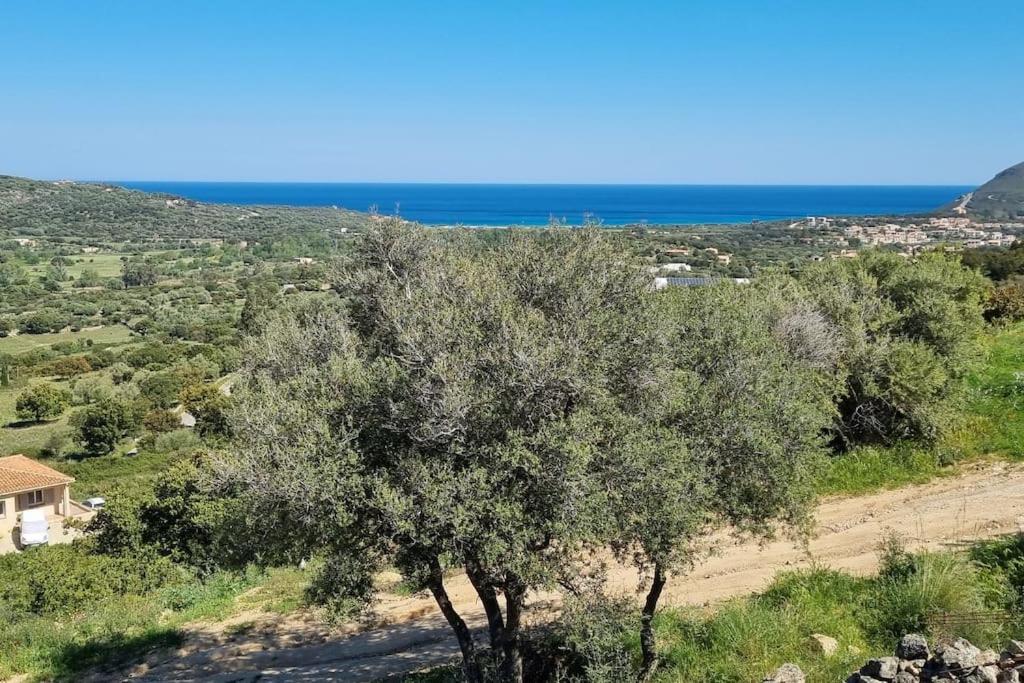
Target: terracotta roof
18, 474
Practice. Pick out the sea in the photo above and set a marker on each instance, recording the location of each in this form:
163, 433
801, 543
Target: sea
496, 205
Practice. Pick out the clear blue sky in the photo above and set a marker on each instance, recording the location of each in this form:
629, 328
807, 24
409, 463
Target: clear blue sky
822, 91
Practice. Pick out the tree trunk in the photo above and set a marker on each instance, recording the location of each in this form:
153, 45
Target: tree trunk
647, 644
512, 661
489, 598
462, 633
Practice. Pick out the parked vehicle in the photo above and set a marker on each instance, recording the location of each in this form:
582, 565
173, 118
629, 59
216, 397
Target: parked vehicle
35, 529
96, 503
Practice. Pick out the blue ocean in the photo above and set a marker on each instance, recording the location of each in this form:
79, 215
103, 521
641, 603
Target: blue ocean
473, 205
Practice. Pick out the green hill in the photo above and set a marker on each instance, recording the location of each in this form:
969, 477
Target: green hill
107, 212
1001, 197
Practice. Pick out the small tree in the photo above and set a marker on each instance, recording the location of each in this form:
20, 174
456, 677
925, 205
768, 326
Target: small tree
102, 425
42, 402
209, 406
138, 273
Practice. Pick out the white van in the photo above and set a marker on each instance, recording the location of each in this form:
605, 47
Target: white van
35, 530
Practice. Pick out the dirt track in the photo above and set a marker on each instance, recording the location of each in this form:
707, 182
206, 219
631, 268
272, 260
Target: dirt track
982, 501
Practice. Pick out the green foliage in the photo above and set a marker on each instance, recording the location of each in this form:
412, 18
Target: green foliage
139, 274
1006, 302
62, 579
69, 366
209, 406
160, 389
102, 425
175, 518
908, 331
42, 402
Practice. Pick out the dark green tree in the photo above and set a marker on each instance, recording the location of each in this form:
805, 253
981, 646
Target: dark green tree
42, 402
101, 426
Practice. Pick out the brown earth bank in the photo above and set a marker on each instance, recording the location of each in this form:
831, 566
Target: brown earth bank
408, 633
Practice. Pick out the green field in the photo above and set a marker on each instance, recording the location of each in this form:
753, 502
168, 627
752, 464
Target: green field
19, 343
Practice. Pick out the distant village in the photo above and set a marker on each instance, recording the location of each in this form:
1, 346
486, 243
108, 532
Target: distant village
952, 232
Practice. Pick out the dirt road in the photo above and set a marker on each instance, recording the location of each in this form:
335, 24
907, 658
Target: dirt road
980, 502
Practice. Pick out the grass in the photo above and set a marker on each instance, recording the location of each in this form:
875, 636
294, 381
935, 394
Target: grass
127, 627
20, 343
992, 427
25, 438
750, 637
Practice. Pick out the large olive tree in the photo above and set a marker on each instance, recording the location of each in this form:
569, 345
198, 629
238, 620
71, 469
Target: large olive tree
445, 414
508, 408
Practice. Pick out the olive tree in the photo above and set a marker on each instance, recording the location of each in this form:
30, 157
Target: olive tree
443, 415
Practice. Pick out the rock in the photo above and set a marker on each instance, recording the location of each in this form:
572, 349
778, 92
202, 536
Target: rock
826, 645
787, 673
913, 646
1009, 676
986, 657
959, 654
861, 678
906, 677
885, 668
979, 674
912, 666
1014, 648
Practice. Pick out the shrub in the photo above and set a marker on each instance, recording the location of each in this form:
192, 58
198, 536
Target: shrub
67, 578
42, 402
87, 390
1006, 303
159, 421
909, 331
179, 440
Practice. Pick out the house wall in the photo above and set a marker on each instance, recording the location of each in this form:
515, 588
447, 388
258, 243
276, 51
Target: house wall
14, 504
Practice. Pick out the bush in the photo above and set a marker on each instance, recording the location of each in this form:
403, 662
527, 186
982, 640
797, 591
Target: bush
42, 402
1006, 303
67, 578
179, 440
909, 332
88, 390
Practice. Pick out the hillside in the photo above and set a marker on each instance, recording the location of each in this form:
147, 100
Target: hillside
1001, 197
73, 209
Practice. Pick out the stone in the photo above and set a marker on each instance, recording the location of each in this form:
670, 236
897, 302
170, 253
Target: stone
826, 645
980, 674
913, 646
885, 668
787, 673
1009, 676
906, 677
959, 654
913, 666
986, 657
1014, 648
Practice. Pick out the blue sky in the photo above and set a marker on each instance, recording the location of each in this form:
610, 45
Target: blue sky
831, 92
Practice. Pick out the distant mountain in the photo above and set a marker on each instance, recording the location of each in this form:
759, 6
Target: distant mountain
73, 209
1001, 197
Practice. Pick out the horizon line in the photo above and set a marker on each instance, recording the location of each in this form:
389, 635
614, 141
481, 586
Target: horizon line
513, 183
